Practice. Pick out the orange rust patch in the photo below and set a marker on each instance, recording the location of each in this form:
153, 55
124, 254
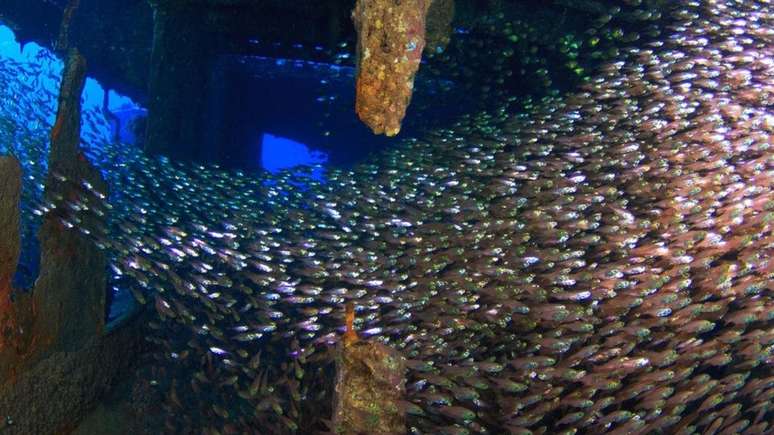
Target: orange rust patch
350, 336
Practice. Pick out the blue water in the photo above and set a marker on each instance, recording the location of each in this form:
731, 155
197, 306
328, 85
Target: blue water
277, 152
31, 52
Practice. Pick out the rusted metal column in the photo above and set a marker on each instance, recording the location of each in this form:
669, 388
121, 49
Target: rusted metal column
390, 40
69, 295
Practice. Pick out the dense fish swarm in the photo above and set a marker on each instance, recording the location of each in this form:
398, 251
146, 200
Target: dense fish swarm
602, 262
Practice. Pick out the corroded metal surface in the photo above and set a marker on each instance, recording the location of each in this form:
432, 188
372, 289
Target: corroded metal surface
370, 384
391, 37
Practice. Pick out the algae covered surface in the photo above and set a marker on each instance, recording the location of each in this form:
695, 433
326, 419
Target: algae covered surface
370, 385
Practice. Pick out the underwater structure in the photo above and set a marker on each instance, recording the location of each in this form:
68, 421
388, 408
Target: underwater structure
56, 331
586, 246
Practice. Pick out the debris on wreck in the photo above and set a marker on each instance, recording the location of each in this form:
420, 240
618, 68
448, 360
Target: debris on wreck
370, 386
390, 41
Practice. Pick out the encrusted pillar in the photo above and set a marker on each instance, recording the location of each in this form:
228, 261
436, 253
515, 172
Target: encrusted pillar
390, 40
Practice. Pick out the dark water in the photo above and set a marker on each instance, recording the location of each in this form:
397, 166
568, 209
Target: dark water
310, 103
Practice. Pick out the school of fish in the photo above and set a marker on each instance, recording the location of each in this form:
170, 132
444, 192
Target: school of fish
602, 261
